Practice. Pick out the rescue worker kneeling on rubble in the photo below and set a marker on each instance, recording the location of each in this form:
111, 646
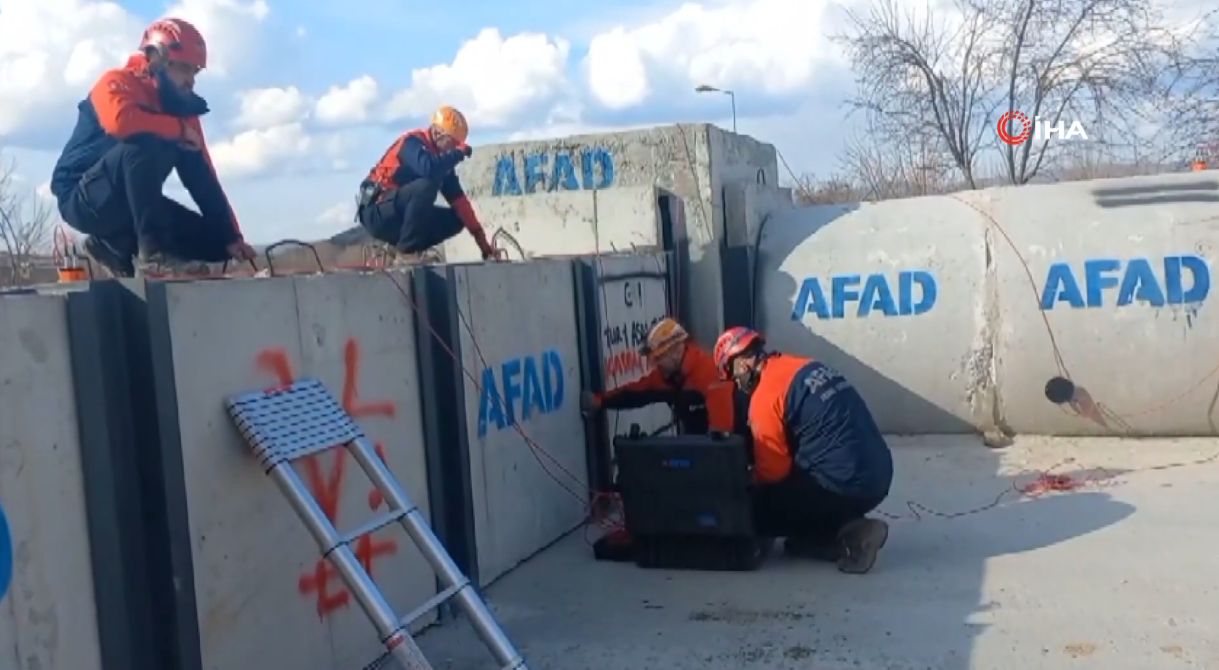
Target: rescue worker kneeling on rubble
820, 461
139, 123
684, 376
397, 204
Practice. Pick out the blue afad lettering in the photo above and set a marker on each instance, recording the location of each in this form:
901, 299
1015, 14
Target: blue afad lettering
554, 172
6, 556
916, 294
1136, 282
532, 384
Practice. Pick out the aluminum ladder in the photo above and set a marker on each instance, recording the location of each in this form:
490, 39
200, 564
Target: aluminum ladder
285, 424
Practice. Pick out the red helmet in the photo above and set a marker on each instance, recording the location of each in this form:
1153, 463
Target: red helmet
177, 40
731, 344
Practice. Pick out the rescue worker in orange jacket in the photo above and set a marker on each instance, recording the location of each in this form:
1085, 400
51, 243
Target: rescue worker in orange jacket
139, 123
397, 202
820, 461
684, 376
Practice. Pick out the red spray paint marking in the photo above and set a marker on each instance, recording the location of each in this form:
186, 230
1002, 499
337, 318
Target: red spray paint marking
327, 487
624, 363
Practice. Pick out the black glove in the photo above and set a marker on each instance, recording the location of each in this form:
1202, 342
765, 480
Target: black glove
466, 150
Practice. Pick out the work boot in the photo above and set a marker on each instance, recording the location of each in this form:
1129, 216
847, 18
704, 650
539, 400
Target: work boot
118, 264
814, 549
861, 539
157, 263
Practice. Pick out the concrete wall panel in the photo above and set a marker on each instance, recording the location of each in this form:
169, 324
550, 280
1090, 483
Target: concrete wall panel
264, 597
47, 610
519, 340
1121, 271
630, 303
894, 295
567, 223
1105, 282
693, 161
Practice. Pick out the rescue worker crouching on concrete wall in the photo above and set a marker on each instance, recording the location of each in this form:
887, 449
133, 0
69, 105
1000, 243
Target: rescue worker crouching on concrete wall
397, 203
684, 376
820, 461
140, 122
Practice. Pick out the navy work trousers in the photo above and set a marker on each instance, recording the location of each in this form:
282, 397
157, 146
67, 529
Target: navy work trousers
120, 201
409, 218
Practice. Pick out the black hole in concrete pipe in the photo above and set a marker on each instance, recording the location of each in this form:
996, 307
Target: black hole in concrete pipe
1059, 390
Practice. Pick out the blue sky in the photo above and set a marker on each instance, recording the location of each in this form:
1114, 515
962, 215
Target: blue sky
291, 156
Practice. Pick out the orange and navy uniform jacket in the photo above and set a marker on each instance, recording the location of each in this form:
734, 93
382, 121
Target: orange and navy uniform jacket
123, 103
805, 414
414, 156
698, 374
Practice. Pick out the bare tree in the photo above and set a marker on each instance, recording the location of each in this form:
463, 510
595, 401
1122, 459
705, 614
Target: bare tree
25, 228
950, 73
1186, 83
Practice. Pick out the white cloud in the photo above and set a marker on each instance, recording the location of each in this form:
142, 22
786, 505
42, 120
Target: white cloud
51, 51
256, 151
337, 216
231, 27
350, 104
495, 81
279, 149
263, 108
769, 46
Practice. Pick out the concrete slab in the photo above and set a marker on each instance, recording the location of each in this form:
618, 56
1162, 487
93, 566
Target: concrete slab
264, 597
567, 224
528, 466
862, 287
48, 616
1101, 282
693, 161
1118, 575
1123, 274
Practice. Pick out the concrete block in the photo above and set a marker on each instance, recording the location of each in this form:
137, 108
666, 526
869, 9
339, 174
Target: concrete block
264, 597
893, 294
567, 223
519, 340
1103, 282
693, 161
47, 610
1111, 280
632, 293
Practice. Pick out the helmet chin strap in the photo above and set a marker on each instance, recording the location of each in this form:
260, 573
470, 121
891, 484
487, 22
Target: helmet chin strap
158, 58
748, 381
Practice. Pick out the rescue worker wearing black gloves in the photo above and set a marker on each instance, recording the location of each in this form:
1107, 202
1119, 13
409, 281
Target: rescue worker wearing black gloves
397, 203
139, 123
684, 376
820, 461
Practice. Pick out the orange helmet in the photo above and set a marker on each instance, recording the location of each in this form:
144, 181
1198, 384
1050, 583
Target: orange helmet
663, 337
452, 123
731, 344
176, 40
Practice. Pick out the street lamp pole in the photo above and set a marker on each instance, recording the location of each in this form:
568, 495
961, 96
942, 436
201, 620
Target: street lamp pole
731, 97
